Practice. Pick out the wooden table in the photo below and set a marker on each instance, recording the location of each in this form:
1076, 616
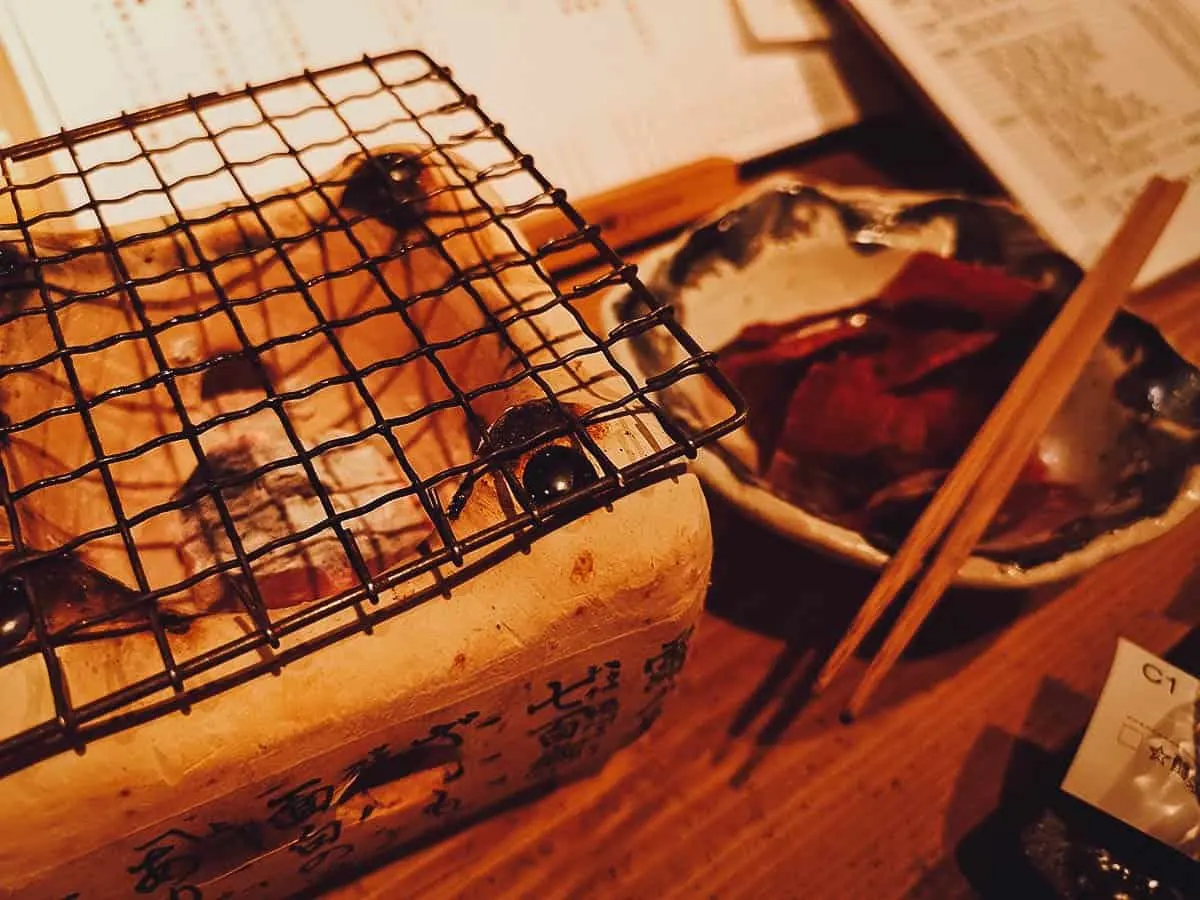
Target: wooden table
744, 789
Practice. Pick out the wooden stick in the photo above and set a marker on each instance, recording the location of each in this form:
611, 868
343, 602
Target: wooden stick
1065, 348
639, 210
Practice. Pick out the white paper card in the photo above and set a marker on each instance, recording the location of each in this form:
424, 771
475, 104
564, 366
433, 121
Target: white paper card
785, 21
1073, 104
1137, 760
601, 92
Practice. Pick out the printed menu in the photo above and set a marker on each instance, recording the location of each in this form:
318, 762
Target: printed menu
1073, 104
601, 92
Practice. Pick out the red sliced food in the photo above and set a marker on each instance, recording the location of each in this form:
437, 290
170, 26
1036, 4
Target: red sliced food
995, 296
859, 424
843, 408
914, 355
1035, 510
921, 485
789, 348
916, 486
767, 377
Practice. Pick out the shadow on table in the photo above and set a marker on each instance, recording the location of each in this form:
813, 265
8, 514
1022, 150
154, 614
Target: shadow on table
1005, 785
1015, 833
771, 585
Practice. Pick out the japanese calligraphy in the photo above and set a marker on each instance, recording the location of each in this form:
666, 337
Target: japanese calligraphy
440, 746
235, 836
375, 757
663, 668
313, 838
660, 671
320, 845
172, 858
648, 714
169, 859
566, 697
444, 735
299, 804
447, 733
572, 737
586, 714
442, 804
317, 843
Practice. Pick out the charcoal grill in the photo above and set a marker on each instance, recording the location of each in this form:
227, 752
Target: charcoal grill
426, 105
125, 246
130, 214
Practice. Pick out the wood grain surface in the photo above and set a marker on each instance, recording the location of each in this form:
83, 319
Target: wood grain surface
746, 788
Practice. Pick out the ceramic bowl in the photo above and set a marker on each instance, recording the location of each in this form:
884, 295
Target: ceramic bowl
790, 250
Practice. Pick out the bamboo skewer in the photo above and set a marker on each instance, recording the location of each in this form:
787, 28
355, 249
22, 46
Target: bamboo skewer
978, 485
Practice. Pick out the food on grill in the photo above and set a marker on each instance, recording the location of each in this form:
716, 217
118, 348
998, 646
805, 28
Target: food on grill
858, 415
319, 346
266, 504
403, 340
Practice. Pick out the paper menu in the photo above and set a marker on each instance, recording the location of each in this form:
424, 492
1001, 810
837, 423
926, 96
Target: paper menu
1073, 104
601, 92
1137, 759
785, 21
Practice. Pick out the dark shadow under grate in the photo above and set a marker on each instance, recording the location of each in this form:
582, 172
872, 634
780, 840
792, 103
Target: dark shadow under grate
281, 358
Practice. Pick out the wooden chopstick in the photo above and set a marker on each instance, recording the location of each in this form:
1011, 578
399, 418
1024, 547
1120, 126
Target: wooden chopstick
636, 211
993, 460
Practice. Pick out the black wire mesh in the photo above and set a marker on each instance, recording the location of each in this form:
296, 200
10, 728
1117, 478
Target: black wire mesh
113, 257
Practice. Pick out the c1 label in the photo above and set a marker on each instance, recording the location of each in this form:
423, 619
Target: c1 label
1155, 675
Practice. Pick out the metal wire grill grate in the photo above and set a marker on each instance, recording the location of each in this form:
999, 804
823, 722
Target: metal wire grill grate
259, 354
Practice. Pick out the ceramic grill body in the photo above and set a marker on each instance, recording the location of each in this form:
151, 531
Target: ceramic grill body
330, 523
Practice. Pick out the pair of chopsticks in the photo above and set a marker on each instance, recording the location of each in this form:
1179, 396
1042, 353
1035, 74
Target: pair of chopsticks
960, 511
